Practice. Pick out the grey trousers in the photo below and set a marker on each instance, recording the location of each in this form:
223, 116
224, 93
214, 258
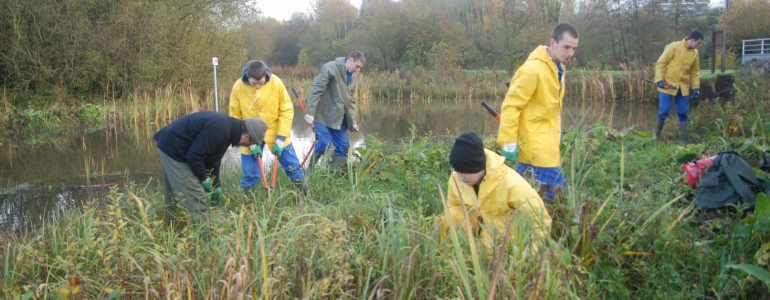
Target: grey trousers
180, 183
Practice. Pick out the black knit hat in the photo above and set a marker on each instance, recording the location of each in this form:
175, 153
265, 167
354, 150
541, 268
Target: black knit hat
467, 155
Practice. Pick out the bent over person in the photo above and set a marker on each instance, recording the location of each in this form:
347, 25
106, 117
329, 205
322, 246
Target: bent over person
530, 119
191, 151
490, 192
260, 94
676, 71
331, 106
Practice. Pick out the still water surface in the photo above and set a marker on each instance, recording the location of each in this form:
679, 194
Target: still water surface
42, 179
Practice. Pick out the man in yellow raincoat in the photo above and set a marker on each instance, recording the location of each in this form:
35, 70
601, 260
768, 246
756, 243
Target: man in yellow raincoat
260, 94
489, 193
676, 71
530, 121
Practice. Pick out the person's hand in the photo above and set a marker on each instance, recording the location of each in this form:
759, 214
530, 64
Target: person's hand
695, 94
206, 184
510, 151
278, 147
216, 197
309, 119
256, 150
662, 84
354, 128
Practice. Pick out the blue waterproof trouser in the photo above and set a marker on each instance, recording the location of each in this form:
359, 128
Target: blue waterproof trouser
548, 179
288, 160
682, 106
328, 136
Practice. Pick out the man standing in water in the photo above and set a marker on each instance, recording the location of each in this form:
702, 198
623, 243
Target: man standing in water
677, 69
260, 94
191, 151
530, 122
332, 106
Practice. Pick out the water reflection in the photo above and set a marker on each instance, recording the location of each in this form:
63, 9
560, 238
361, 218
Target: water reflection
42, 178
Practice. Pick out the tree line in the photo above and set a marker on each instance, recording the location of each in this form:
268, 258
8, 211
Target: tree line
90, 46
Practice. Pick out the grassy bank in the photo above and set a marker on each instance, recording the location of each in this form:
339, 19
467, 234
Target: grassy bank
627, 229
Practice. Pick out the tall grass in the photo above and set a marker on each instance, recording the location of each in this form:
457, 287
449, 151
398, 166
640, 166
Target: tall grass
626, 229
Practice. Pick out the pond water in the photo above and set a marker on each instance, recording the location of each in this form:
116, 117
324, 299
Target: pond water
42, 179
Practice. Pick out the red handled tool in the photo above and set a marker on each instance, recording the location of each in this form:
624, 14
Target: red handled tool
670, 87
491, 110
304, 111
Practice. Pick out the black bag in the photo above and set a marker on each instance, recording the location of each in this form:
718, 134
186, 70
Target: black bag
729, 180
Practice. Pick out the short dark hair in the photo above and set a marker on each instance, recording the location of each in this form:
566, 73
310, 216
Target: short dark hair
558, 32
358, 56
695, 35
257, 69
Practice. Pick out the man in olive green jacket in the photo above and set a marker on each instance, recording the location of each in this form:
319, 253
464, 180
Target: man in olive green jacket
332, 107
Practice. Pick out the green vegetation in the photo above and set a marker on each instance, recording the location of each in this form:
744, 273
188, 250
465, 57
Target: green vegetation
625, 230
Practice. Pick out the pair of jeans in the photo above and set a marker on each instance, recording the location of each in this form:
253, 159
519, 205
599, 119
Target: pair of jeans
682, 106
550, 179
288, 160
328, 136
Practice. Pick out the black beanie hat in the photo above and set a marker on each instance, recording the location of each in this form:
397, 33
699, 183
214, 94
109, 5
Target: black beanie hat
467, 155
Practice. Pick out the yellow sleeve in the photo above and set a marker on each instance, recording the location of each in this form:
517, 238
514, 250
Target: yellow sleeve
523, 86
235, 105
528, 205
663, 60
695, 72
453, 196
285, 110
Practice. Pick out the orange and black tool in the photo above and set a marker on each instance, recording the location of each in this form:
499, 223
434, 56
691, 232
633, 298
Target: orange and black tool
670, 87
275, 170
491, 110
304, 111
262, 170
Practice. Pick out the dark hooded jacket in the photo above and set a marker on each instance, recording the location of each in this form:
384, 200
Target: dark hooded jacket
729, 180
200, 140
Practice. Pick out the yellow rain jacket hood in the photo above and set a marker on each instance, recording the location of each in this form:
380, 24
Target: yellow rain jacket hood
680, 67
270, 103
531, 112
502, 192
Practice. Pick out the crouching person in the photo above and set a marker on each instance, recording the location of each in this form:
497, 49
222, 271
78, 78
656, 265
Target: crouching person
482, 187
191, 151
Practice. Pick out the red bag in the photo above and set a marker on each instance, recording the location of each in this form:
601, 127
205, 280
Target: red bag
696, 168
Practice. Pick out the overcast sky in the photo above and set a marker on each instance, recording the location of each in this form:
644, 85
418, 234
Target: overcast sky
282, 9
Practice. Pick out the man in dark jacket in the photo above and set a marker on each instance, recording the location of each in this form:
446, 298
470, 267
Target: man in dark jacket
191, 151
332, 107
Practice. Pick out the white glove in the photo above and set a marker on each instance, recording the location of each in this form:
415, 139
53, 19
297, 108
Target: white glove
509, 147
354, 128
280, 143
309, 119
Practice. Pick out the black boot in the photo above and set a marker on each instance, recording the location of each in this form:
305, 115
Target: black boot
340, 165
658, 129
682, 133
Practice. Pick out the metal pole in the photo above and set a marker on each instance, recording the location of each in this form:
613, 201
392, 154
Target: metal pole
713, 51
724, 48
215, 62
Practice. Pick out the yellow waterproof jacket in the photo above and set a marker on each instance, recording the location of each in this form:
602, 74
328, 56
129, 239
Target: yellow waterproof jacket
531, 112
502, 193
270, 102
680, 67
